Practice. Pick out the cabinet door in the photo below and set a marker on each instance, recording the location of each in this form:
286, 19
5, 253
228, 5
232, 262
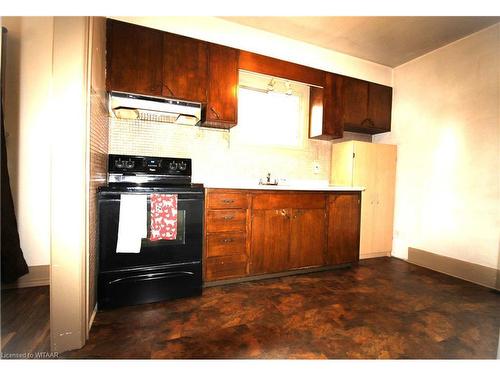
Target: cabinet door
185, 68
325, 108
134, 58
343, 228
222, 86
270, 241
354, 103
365, 174
308, 236
383, 206
379, 106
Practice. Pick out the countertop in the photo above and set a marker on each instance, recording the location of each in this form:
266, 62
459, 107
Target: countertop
304, 186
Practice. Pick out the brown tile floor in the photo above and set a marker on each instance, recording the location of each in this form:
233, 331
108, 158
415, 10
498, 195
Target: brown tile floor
382, 308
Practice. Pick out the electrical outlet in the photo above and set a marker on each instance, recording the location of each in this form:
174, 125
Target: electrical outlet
316, 167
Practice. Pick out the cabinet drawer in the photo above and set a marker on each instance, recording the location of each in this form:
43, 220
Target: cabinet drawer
230, 243
226, 200
226, 220
226, 267
292, 200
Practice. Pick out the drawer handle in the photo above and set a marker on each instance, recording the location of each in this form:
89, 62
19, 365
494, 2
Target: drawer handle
229, 217
228, 240
214, 111
227, 201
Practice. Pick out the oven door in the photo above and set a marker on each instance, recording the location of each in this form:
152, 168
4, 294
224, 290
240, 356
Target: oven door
186, 247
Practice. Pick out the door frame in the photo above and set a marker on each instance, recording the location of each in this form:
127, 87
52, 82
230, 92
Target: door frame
69, 183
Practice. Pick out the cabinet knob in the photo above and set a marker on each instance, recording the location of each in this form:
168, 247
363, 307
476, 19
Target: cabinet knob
227, 201
227, 240
367, 122
228, 217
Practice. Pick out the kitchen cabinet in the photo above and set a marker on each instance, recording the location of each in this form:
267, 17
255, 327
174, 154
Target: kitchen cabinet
380, 106
366, 106
134, 58
222, 102
372, 166
151, 62
307, 238
185, 68
324, 109
226, 227
260, 232
270, 241
288, 231
254, 62
343, 228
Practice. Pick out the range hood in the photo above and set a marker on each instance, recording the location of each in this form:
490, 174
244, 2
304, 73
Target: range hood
130, 106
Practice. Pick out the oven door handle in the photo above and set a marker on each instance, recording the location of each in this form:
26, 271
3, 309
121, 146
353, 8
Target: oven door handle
152, 276
148, 199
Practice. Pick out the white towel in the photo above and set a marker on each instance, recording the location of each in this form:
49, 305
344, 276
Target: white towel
132, 225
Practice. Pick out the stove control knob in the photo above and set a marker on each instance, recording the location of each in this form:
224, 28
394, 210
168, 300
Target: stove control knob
172, 166
182, 166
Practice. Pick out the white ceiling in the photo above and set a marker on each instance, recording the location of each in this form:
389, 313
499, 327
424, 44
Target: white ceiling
389, 41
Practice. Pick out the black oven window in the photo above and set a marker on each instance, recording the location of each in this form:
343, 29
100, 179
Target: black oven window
181, 230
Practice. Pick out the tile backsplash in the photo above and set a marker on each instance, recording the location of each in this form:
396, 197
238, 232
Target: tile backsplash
215, 159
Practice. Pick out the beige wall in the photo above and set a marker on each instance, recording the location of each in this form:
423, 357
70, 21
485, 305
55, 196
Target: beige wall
446, 125
28, 117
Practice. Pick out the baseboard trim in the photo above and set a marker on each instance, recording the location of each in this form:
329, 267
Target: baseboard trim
274, 275
474, 273
92, 317
37, 276
375, 255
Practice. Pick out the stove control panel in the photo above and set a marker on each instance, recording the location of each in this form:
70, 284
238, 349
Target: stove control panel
162, 168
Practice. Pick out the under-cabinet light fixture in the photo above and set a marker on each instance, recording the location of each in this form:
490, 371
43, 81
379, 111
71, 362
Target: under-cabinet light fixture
270, 85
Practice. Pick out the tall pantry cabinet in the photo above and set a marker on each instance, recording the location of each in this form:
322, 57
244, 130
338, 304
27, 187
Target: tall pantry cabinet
372, 166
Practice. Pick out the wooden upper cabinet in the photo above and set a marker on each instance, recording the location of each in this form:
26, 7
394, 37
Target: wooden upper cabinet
355, 102
185, 68
254, 62
134, 58
379, 106
366, 106
222, 103
324, 109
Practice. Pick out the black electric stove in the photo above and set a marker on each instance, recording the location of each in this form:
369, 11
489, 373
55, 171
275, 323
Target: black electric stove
162, 269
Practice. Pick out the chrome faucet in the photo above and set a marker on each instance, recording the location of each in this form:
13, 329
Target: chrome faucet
268, 180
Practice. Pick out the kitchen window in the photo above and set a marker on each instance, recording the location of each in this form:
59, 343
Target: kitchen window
271, 112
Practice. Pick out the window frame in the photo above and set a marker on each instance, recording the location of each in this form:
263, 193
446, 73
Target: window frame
259, 82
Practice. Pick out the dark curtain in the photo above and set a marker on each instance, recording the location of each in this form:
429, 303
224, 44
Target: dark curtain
13, 262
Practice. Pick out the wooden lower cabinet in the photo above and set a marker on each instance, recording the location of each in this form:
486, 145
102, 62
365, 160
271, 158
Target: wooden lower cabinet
270, 241
225, 267
344, 212
226, 228
266, 232
307, 238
